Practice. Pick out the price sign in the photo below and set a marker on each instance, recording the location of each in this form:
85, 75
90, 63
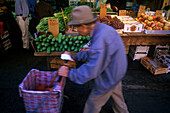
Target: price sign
159, 13
103, 10
122, 12
53, 26
140, 12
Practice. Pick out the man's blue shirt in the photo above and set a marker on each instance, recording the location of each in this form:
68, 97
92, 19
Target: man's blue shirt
107, 60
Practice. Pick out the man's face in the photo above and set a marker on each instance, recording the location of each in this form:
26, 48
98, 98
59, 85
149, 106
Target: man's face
83, 30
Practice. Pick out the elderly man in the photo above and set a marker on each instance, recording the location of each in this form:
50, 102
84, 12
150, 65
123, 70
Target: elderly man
106, 62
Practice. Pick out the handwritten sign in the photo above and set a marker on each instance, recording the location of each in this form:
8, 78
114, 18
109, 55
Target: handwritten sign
142, 7
122, 12
140, 12
159, 13
53, 26
82, 1
103, 10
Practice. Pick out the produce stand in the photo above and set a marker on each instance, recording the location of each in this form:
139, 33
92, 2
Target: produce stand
127, 38
142, 30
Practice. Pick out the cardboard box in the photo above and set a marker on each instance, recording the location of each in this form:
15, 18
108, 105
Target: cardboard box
133, 27
160, 47
138, 52
130, 25
163, 56
154, 66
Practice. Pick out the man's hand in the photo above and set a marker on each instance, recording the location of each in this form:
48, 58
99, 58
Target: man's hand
63, 71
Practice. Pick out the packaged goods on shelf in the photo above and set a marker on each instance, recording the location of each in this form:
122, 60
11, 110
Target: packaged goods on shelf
138, 52
154, 66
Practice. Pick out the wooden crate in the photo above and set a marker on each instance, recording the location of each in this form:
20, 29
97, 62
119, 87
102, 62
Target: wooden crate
56, 63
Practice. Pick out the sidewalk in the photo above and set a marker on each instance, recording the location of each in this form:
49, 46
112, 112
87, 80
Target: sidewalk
143, 92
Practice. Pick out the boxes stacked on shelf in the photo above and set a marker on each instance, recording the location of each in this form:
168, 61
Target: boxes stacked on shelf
162, 54
160, 47
138, 52
130, 25
154, 66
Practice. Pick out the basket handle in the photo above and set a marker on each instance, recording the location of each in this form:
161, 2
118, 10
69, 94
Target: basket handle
60, 77
54, 79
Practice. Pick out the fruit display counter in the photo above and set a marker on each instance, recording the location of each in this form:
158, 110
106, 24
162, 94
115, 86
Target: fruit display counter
128, 39
145, 39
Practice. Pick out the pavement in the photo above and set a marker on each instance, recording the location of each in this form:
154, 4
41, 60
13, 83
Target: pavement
143, 92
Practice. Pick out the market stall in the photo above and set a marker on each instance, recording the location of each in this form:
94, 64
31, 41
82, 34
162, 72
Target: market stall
141, 30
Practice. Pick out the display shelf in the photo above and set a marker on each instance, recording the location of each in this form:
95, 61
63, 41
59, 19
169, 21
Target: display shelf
145, 39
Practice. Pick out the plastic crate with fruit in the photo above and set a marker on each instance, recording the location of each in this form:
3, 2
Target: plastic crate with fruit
153, 24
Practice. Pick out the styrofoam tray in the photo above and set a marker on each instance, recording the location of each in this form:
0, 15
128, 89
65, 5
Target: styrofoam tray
157, 31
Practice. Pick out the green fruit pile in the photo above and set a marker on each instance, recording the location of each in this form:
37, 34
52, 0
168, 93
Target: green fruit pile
50, 44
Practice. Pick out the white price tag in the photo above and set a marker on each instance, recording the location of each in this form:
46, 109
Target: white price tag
66, 57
